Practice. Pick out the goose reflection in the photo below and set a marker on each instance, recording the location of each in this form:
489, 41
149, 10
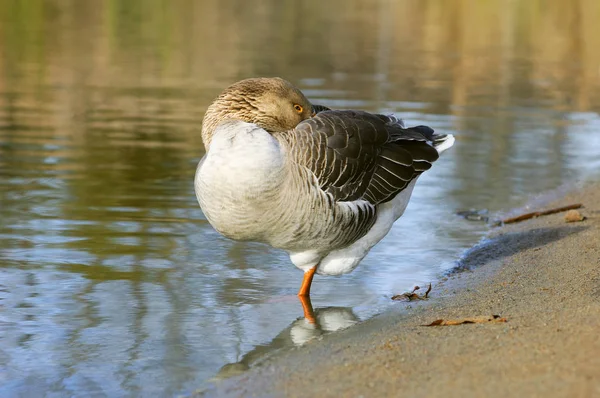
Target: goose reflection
314, 323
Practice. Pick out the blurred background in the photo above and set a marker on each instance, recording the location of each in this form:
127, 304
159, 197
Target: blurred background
111, 280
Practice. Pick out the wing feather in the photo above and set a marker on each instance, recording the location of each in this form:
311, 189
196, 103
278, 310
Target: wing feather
362, 156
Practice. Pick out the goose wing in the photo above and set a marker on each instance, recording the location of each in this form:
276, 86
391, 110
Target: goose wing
358, 155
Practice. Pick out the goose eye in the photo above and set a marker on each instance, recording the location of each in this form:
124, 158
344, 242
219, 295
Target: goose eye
298, 108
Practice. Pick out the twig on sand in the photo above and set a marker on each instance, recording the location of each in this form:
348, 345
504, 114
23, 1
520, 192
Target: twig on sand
463, 321
535, 214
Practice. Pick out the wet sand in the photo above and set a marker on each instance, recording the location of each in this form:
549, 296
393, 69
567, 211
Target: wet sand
543, 275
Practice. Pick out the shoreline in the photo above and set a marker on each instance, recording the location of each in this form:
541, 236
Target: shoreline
542, 274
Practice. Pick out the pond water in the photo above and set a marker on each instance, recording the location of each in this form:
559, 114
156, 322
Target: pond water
112, 283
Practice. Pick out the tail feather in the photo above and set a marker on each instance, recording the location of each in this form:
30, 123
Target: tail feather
425, 131
442, 142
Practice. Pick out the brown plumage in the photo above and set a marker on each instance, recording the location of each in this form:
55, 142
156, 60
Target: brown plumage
266, 102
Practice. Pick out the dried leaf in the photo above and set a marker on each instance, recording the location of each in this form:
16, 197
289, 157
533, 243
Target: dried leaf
573, 216
476, 319
408, 296
412, 296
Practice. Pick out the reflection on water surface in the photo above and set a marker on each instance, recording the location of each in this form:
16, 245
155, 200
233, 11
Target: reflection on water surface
112, 282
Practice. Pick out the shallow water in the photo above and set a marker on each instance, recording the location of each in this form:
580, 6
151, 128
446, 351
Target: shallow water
112, 282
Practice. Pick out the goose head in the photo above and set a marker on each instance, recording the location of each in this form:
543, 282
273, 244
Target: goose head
273, 104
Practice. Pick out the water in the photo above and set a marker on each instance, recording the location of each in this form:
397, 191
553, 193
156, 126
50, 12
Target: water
112, 283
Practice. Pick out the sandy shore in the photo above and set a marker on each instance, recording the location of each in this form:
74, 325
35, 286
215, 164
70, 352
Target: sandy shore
543, 275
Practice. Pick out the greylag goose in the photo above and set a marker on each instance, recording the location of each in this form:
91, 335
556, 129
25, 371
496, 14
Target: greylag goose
324, 185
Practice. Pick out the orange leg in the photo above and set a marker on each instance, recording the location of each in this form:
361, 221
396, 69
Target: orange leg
308, 277
307, 307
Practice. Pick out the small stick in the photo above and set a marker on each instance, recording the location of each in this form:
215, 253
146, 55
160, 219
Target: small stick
535, 214
428, 291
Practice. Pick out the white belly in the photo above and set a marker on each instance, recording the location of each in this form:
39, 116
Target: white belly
238, 180
342, 261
